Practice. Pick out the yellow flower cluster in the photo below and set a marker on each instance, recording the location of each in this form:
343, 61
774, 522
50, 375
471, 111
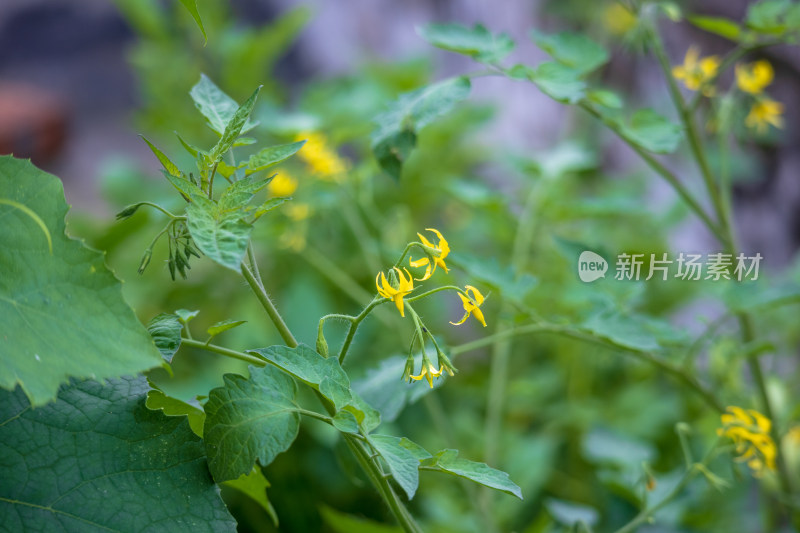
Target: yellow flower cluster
320, 158
400, 284
697, 74
750, 433
753, 78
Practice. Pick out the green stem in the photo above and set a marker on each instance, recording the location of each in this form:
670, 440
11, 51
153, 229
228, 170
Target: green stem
695, 143
251, 257
233, 354
661, 170
355, 322
269, 307
567, 331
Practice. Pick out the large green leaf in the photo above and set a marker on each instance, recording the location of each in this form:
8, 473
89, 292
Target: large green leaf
248, 420
573, 50
99, 460
233, 128
396, 132
477, 42
302, 362
403, 463
449, 461
653, 132
221, 235
215, 105
62, 310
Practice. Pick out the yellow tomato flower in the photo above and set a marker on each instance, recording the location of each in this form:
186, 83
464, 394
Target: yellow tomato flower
396, 294
440, 251
282, 185
697, 73
763, 113
471, 305
428, 372
320, 158
750, 433
618, 19
753, 78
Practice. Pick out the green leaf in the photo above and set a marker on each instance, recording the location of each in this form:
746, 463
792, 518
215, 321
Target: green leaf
344, 523
448, 461
345, 421
165, 329
222, 236
248, 420
184, 186
62, 310
157, 400
215, 105
234, 127
239, 194
653, 132
402, 463
721, 26
255, 486
193, 150
574, 50
768, 16
557, 81
184, 315
225, 325
396, 132
477, 42
605, 98
272, 155
366, 416
191, 7
269, 205
99, 460
302, 362
168, 165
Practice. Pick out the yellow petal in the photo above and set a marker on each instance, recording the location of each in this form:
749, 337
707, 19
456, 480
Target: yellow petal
419, 262
479, 315
463, 319
690, 60
679, 72
424, 241
398, 301
476, 294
